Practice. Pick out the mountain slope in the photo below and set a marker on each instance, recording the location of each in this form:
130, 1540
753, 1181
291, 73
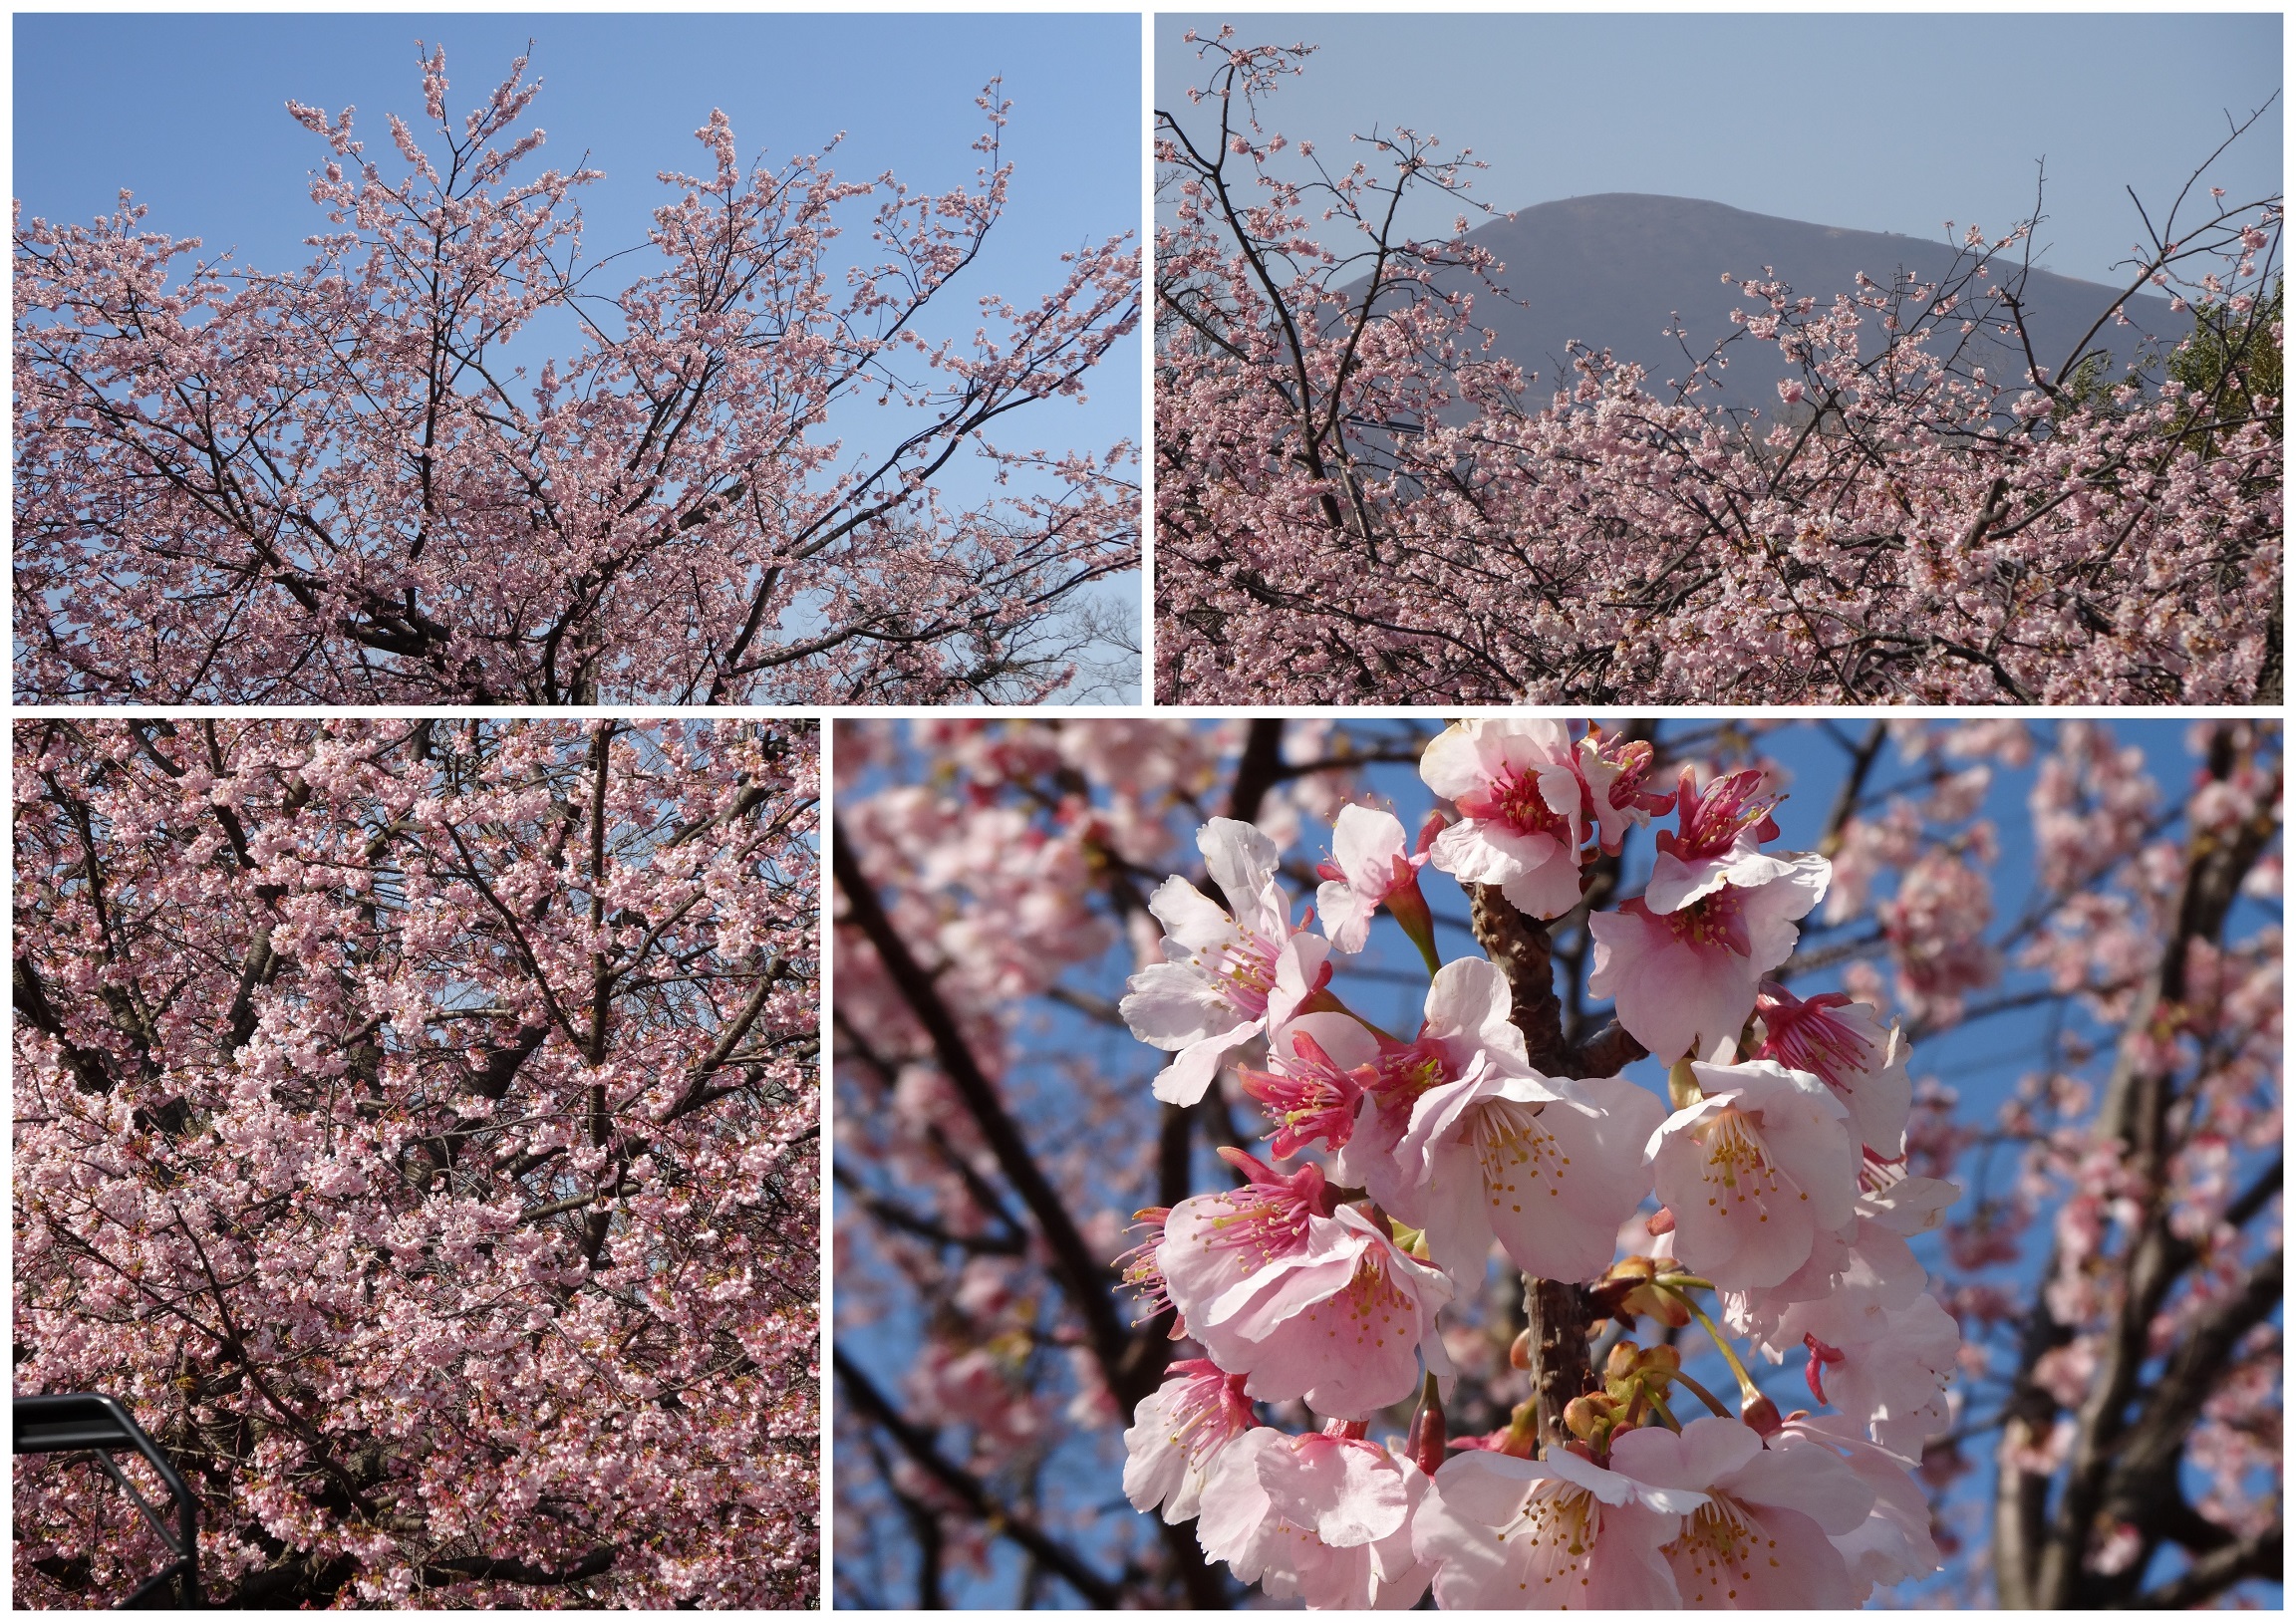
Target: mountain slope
1609, 271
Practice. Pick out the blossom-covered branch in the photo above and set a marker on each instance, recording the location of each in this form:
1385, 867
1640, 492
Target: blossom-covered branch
343, 483
1324, 1179
416, 1129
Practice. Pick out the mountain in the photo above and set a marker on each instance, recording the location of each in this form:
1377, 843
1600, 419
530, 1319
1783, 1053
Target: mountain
1609, 271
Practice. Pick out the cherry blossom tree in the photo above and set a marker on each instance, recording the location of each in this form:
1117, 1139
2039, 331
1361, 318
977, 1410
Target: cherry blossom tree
763, 469
1984, 1305
415, 1127
1357, 500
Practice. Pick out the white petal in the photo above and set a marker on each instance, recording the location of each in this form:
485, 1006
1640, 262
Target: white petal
1184, 1080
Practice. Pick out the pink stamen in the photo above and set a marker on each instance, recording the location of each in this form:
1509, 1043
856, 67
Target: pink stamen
1802, 1036
1244, 970
1404, 1071
1711, 823
1212, 1409
1815, 1373
1310, 1097
1270, 1213
1634, 758
1516, 800
1139, 1269
1717, 918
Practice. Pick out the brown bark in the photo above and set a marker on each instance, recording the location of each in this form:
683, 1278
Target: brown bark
1525, 956
1560, 1370
1555, 1311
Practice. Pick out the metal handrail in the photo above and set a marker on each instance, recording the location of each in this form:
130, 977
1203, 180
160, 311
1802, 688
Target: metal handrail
72, 1422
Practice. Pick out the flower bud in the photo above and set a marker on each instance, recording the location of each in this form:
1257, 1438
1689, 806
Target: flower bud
1523, 1430
1593, 1417
1426, 1441
1408, 907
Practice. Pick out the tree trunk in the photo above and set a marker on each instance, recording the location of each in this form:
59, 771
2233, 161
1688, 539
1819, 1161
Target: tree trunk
1556, 1309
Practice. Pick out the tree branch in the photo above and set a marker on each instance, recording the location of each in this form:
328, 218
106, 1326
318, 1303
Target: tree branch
2257, 1557
1090, 1285
490, 1569
917, 1444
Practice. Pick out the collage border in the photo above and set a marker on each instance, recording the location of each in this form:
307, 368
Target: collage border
829, 716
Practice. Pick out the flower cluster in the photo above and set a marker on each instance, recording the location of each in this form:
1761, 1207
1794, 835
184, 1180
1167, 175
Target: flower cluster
2105, 937
1777, 1163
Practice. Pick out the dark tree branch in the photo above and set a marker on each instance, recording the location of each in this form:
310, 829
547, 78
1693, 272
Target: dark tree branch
1258, 772
1525, 956
969, 1491
1557, 1311
2212, 1574
487, 1570
1090, 1285
87, 1068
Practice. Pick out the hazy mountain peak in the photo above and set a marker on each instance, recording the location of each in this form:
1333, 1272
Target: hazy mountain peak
1611, 269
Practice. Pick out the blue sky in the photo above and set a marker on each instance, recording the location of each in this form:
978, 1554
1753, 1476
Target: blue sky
188, 113
1872, 123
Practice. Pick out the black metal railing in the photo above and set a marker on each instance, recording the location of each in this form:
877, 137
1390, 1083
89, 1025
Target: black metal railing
91, 1424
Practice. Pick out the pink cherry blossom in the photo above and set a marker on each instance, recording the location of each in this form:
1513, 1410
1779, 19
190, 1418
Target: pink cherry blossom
1308, 1304
1445, 526
1903, 1203
427, 1109
1465, 1040
1505, 1533
1350, 1332
1754, 1171
1031, 836
1549, 1168
1522, 805
1369, 869
1178, 1434
1615, 771
1313, 1085
1210, 1243
1717, 843
1853, 1275
1226, 977
1325, 1517
1871, 1342
746, 475
1885, 1369
1685, 981
1841, 1042
1763, 1537
1893, 1544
